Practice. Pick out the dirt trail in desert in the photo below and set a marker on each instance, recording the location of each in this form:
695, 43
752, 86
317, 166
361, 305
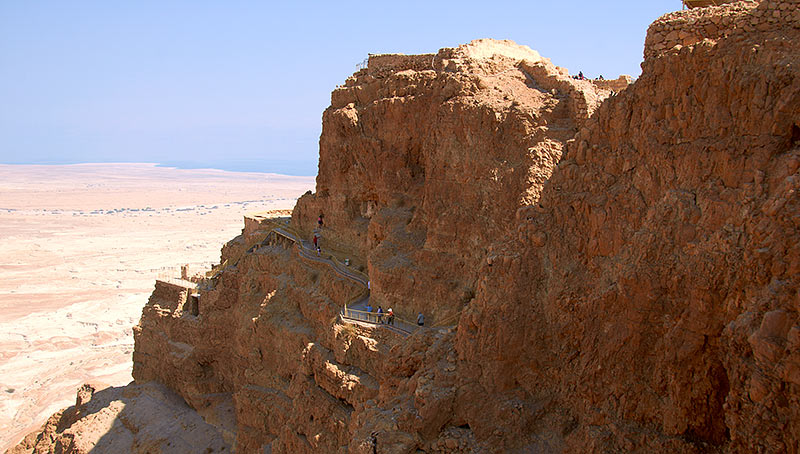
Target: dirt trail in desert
81, 246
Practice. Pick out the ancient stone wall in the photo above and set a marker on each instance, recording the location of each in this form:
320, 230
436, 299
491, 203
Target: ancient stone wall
380, 65
616, 85
170, 295
265, 221
683, 28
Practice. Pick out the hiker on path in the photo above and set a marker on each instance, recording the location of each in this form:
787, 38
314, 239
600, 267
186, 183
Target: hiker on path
390, 317
320, 219
380, 314
420, 319
374, 441
316, 238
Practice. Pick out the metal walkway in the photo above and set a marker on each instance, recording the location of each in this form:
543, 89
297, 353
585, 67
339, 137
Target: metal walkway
357, 310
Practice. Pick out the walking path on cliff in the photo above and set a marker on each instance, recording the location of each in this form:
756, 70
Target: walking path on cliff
356, 310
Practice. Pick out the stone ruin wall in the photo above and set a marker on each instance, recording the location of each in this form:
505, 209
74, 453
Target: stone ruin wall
582, 99
687, 27
616, 85
171, 296
252, 224
384, 64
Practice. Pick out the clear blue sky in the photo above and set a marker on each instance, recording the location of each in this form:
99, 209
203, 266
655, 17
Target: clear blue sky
242, 84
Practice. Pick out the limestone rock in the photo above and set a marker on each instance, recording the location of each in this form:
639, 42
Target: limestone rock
424, 161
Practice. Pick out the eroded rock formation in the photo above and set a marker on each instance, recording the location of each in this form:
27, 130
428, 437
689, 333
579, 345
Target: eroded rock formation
600, 271
137, 418
424, 161
653, 290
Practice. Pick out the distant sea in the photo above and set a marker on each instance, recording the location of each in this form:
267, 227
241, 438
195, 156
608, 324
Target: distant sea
293, 168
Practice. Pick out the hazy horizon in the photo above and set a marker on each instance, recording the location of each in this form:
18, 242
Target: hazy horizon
242, 85
287, 168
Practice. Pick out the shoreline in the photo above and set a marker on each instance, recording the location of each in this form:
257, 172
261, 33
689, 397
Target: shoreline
237, 167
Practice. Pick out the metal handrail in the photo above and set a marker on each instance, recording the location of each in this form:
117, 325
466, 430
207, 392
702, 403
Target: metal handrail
447, 319
293, 235
357, 275
352, 273
374, 317
364, 316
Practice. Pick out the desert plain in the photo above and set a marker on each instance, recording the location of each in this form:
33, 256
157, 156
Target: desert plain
81, 247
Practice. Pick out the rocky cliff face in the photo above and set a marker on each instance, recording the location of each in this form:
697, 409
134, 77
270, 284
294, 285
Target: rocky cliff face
600, 273
424, 161
653, 291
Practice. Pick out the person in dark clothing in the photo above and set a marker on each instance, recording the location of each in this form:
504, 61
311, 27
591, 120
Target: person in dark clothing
374, 441
320, 219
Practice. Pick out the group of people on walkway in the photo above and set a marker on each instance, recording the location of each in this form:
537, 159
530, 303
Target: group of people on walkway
320, 221
388, 315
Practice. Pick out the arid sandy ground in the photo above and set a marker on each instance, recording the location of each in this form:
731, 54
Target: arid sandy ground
80, 248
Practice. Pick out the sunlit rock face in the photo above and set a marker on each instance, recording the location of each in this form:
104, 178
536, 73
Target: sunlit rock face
600, 272
425, 163
425, 160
